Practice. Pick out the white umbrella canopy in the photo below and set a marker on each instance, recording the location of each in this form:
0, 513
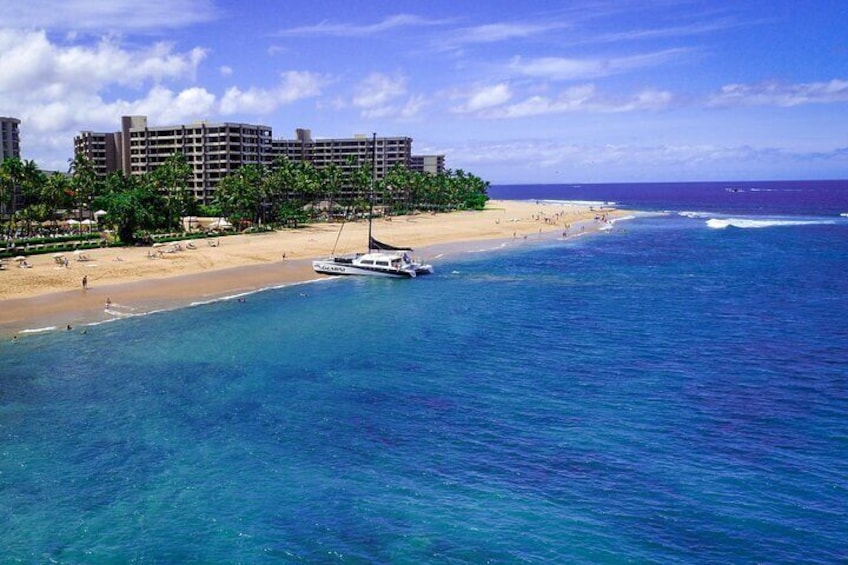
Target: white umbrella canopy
72, 222
20, 258
100, 213
88, 222
221, 223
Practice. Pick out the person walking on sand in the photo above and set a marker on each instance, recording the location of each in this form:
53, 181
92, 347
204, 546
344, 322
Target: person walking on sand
85, 282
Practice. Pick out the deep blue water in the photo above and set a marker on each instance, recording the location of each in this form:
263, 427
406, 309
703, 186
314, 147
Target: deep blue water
669, 392
748, 197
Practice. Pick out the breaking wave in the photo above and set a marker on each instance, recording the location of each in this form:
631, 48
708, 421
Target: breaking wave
747, 223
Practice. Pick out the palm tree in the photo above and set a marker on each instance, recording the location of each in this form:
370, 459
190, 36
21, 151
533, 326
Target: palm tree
360, 184
396, 186
171, 178
83, 181
55, 192
331, 180
240, 194
131, 204
11, 172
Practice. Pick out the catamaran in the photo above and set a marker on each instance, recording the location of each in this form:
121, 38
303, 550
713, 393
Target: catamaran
381, 260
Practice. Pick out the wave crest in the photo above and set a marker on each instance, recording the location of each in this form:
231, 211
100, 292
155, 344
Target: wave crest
746, 223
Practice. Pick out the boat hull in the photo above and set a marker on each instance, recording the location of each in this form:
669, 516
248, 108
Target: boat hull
335, 268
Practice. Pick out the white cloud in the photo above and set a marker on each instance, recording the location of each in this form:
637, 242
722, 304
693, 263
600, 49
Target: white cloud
777, 94
301, 84
487, 97
252, 100
413, 107
359, 30
225, 71
57, 90
494, 33
115, 15
168, 107
378, 89
379, 96
294, 85
648, 99
48, 127
490, 33
562, 68
31, 67
490, 103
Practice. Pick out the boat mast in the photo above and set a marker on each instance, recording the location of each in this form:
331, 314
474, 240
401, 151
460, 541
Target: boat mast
371, 190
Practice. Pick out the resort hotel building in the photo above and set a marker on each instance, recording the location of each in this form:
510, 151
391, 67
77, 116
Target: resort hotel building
10, 148
346, 154
10, 138
214, 151
211, 150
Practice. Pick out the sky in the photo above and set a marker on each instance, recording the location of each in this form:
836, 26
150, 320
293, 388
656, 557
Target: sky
512, 91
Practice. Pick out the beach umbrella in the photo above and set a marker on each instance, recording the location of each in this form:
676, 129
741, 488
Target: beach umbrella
88, 222
72, 222
20, 258
58, 255
100, 213
221, 223
159, 245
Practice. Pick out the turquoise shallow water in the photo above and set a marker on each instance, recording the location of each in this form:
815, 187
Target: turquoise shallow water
665, 393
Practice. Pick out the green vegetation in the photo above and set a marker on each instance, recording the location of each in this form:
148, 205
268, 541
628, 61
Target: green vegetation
286, 194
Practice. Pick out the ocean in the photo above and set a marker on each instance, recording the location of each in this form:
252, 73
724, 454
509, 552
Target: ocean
674, 390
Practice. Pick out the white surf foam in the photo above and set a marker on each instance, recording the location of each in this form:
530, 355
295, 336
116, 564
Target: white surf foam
747, 223
38, 330
580, 203
688, 214
622, 219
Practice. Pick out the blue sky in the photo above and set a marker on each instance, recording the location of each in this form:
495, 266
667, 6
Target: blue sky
530, 91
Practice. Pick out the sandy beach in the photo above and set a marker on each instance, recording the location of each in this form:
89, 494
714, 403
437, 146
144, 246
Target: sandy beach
142, 279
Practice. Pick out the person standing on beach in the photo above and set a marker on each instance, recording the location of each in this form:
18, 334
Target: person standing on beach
85, 282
